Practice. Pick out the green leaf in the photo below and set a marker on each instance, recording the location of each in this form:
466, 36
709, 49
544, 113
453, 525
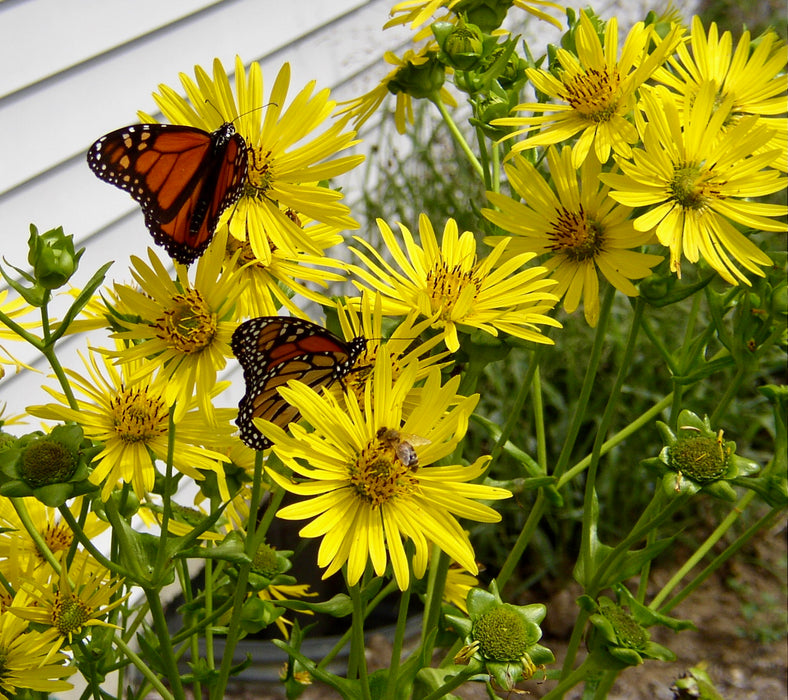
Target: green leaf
82, 299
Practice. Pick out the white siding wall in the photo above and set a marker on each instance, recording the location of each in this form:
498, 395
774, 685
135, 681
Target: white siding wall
72, 71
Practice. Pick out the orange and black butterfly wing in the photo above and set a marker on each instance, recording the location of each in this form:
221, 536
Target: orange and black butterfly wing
182, 177
272, 350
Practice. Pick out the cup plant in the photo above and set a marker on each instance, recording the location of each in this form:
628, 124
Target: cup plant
627, 177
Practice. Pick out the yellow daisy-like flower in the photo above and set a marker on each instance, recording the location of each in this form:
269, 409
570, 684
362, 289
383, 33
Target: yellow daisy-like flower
182, 328
417, 12
458, 583
66, 608
694, 175
26, 662
286, 592
364, 500
595, 91
754, 75
54, 530
582, 230
413, 66
401, 348
287, 159
451, 287
132, 420
269, 287
11, 311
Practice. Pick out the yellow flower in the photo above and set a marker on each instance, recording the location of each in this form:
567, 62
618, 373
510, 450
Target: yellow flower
285, 592
695, 176
401, 349
287, 159
448, 285
458, 583
753, 75
269, 286
131, 418
595, 91
24, 655
48, 523
363, 499
362, 108
582, 230
179, 327
66, 608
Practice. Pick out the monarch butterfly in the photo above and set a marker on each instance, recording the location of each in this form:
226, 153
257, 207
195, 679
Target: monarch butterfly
183, 177
275, 349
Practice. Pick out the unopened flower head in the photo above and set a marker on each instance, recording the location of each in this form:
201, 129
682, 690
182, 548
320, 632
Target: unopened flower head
486, 13
416, 72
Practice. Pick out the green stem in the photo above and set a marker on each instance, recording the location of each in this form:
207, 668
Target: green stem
574, 644
458, 137
618, 438
143, 668
568, 682
731, 391
436, 583
182, 569
384, 593
234, 627
516, 553
35, 535
519, 400
762, 523
357, 664
49, 352
452, 683
579, 414
701, 552
161, 558
396, 647
166, 655
589, 508
84, 540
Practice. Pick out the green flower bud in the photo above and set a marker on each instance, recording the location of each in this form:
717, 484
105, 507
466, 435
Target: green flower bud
628, 632
265, 561
485, 14
502, 634
462, 46
47, 462
696, 458
502, 637
701, 458
52, 257
419, 81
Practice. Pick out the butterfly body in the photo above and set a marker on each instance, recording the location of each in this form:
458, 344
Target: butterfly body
272, 350
182, 177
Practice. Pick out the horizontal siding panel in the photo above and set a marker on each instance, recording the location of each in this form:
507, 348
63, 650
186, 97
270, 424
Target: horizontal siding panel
63, 116
60, 35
